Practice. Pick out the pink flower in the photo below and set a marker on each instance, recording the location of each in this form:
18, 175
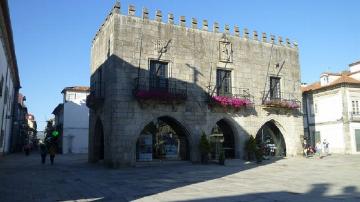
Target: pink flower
231, 101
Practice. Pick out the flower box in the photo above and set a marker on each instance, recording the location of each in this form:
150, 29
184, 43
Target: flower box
231, 101
289, 104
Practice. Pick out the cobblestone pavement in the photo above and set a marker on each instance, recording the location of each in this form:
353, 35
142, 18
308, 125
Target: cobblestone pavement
334, 178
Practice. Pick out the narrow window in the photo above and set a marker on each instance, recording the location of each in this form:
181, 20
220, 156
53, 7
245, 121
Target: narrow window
275, 92
158, 75
353, 107
223, 82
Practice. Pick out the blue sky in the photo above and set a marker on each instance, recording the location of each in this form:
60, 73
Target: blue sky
53, 38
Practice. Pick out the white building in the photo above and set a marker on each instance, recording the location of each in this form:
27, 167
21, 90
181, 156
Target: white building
331, 110
72, 120
9, 78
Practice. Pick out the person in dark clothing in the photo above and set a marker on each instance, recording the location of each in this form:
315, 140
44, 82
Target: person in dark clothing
52, 152
43, 152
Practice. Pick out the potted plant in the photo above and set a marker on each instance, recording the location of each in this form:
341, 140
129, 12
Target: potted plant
222, 157
204, 147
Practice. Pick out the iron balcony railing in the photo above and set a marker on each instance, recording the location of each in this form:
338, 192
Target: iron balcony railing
282, 100
96, 96
235, 92
160, 88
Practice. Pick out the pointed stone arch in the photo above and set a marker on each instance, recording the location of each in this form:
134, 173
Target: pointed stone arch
271, 135
177, 132
226, 128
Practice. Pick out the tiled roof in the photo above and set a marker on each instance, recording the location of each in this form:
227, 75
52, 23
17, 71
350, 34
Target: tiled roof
344, 79
313, 86
76, 88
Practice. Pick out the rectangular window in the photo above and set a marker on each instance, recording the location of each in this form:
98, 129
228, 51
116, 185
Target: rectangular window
6, 95
70, 96
223, 82
275, 92
355, 107
1, 85
158, 75
357, 139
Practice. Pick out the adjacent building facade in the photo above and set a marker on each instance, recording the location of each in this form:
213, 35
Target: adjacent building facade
9, 78
157, 86
331, 110
72, 120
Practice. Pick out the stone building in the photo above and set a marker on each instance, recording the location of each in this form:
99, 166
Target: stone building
331, 110
157, 86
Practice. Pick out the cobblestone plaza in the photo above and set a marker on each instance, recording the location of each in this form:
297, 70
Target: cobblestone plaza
333, 178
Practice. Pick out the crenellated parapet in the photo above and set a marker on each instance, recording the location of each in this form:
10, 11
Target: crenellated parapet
194, 24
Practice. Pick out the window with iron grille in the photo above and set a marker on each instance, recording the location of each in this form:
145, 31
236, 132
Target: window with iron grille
223, 82
355, 107
158, 75
275, 92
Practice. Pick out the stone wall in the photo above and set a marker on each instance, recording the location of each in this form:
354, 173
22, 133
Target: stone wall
123, 48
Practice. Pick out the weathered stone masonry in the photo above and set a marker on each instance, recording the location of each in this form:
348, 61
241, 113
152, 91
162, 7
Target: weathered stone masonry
122, 50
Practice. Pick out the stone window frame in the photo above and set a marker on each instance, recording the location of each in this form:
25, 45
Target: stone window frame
169, 66
281, 83
231, 76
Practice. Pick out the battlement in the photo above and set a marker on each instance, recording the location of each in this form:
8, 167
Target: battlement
158, 17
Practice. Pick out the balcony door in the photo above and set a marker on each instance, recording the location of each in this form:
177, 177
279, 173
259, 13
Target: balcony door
158, 75
223, 82
275, 88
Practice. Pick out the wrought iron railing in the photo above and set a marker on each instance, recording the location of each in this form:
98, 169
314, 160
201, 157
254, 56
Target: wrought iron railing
282, 100
159, 88
229, 97
96, 96
235, 92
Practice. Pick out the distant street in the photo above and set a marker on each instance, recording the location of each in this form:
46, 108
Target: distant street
334, 178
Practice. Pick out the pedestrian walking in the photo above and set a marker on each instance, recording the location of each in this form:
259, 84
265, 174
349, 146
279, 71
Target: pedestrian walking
43, 152
305, 148
326, 147
52, 152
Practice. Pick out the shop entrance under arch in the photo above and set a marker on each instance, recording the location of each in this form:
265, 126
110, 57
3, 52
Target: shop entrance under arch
222, 138
99, 141
270, 139
163, 139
